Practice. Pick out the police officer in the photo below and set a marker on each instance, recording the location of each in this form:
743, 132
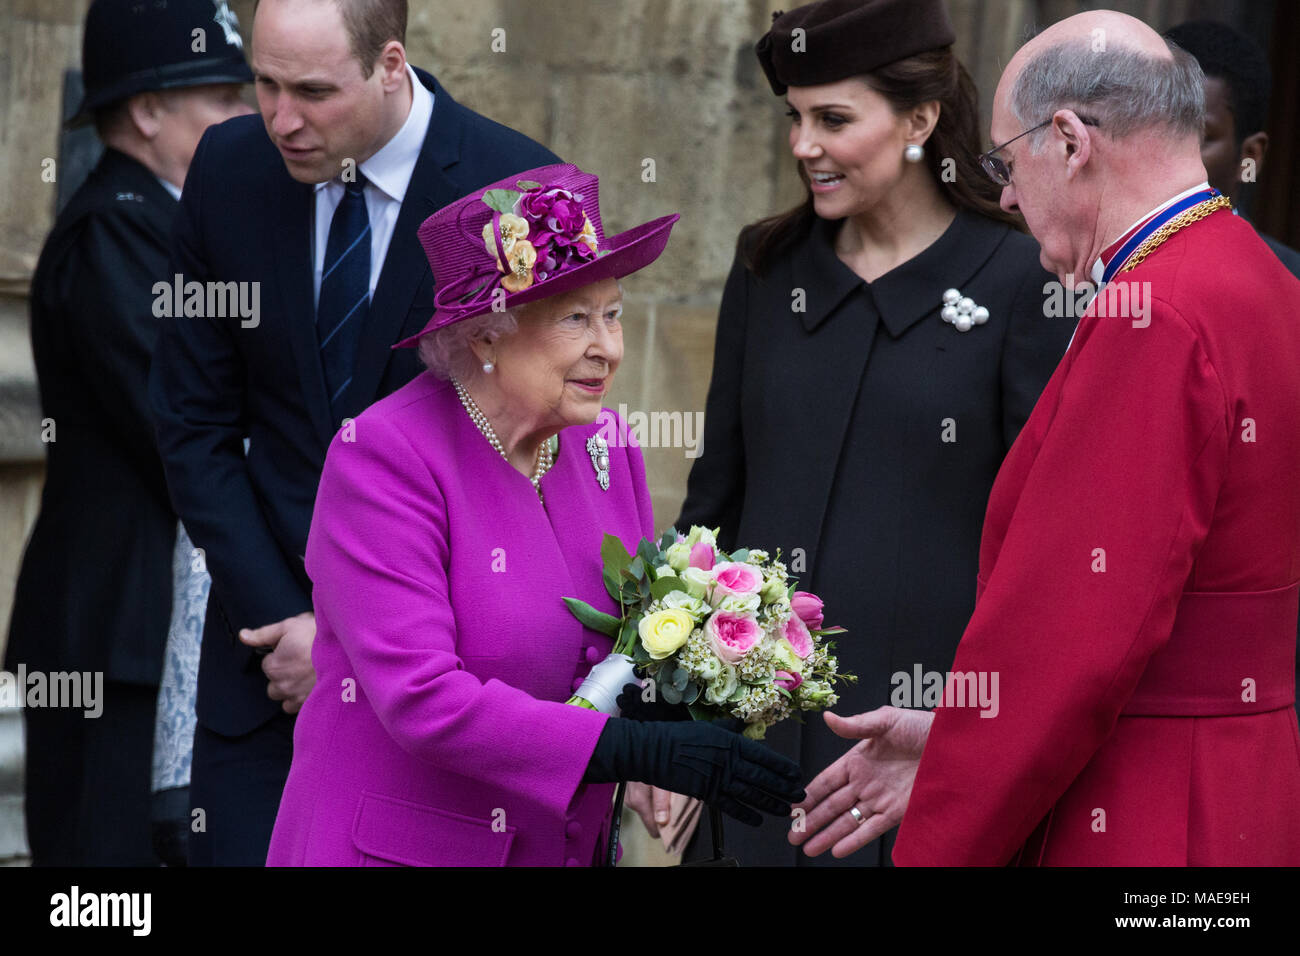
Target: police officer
94, 594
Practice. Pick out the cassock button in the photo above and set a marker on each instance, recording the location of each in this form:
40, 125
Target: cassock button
577, 682
573, 830
571, 861
593, 655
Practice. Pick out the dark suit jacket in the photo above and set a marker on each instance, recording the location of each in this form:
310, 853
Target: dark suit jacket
244, 219
94, 592
825, 437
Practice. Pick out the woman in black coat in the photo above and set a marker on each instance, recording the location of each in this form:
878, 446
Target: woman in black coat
851, 422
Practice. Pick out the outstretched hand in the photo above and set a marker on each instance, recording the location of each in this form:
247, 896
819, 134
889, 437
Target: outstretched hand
875, 776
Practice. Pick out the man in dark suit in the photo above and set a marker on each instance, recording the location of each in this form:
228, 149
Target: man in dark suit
1237, 82
94, 592
308, 219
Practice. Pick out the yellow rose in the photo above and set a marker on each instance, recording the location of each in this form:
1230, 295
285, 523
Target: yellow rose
522, 257
513, 228
663, 632
588, 234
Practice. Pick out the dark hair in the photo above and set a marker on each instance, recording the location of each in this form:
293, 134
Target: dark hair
907, 83
370, 24
1239, 61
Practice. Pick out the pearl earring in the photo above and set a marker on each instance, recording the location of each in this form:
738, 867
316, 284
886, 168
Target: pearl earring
487, 368
913, 153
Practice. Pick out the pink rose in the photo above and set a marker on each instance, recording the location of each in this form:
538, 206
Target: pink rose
808, 607
732, 635
702, 557
732, 577
796, 632
787, 680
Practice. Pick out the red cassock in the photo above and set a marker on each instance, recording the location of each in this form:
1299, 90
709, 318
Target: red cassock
1138, 590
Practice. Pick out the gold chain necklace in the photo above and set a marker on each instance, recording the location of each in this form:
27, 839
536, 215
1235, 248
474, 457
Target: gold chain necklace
544, 457
1199, 211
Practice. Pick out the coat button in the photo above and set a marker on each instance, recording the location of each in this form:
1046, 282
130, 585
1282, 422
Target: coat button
593, 655
571, 861
577, 682
573, 830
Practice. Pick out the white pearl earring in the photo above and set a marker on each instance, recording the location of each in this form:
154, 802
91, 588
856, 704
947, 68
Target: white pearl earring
913, 153
487, 368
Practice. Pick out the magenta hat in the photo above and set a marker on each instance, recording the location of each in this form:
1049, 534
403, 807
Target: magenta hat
533, 235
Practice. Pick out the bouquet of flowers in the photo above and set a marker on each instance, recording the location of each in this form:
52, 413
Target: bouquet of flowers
725, 634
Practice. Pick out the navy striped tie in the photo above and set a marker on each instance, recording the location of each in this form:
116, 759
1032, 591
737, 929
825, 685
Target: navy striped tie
344, 292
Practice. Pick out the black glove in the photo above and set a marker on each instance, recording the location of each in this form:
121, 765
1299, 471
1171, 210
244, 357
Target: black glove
170, 824
634, 706
700, 759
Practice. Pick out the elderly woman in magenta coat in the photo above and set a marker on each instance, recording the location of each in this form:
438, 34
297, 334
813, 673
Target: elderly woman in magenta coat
452, 518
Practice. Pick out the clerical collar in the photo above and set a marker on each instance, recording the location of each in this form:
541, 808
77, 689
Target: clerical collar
1098, 271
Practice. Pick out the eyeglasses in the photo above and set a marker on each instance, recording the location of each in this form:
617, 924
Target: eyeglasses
998, 170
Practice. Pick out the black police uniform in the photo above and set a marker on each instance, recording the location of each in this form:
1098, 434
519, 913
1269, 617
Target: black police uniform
94, 592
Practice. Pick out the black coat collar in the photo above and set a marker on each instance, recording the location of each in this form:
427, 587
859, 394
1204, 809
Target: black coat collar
906, 294
126, 174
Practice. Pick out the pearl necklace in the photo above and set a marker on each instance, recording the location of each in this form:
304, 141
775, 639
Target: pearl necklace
544, 457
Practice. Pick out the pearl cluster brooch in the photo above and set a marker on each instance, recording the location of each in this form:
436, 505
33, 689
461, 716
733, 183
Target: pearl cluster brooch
962, 312
544, 457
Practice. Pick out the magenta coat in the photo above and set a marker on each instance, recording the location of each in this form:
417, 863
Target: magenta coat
437, 732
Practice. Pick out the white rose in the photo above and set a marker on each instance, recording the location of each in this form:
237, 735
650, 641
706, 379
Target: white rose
774, 590
739, 603
698, 535
678, 555
697, 581
722, 686
692, 605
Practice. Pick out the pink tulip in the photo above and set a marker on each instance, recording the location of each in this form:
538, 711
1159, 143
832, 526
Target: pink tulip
702, 557
787, 680
808, 607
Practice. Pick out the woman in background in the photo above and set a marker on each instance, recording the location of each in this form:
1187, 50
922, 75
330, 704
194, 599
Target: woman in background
878, 349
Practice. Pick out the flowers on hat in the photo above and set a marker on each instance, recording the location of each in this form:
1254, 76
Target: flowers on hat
543, 230
521, 255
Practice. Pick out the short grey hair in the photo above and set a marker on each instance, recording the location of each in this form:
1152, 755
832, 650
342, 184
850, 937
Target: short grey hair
447, 351
1123, 89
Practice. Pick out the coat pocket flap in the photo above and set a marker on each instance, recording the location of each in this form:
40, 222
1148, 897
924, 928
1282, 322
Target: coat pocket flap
412, 834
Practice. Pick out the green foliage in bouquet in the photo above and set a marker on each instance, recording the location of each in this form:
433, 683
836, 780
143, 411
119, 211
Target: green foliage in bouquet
727, 635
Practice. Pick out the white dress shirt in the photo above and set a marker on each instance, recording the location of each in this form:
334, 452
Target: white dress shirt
388, 173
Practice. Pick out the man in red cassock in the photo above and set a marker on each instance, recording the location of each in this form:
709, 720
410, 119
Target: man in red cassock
1140, 564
